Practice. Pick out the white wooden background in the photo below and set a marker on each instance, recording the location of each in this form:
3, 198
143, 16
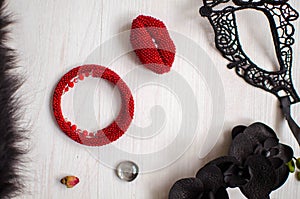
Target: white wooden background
53, 36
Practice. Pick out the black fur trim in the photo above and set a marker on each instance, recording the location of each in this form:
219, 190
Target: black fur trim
12, 136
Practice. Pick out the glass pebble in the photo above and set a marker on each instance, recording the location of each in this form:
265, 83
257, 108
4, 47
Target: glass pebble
127, 171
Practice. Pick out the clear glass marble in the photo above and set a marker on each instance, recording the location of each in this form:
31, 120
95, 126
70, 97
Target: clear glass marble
127, 171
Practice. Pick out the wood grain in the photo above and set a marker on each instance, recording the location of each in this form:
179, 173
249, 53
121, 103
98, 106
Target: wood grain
53, 36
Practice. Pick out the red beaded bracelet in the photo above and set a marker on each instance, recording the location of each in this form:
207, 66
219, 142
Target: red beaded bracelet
104, 136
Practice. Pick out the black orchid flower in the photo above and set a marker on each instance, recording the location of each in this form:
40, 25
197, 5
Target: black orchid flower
257, 147
211, 181
260, 143
256, 164
193, 188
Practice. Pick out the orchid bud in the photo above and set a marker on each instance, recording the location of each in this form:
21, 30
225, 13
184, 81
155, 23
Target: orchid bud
298, 163
298, 176
291, 166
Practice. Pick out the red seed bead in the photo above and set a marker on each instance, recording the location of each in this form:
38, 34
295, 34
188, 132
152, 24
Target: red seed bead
91, 134
71, 84
85, 133
81, 77
87, 74
69, 123
74, 127
78, 130
66, 89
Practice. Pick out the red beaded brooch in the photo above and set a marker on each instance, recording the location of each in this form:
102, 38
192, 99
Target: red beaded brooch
104, 136
152, 44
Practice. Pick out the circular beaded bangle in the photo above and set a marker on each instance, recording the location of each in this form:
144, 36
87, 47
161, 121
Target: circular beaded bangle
110, 133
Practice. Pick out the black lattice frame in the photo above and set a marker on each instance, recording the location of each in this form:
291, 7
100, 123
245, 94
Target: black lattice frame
279, 14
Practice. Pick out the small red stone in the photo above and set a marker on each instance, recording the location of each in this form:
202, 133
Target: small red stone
78, 131
71, 84
69, 123
74, 127
87, 74
91, 134
81, 77
94, 74
85, 132
66, 89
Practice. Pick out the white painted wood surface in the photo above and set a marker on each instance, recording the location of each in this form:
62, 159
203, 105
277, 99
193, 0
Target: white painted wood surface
54, 36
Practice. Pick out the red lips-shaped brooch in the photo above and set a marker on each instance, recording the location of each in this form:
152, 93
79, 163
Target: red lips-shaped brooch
152, 44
